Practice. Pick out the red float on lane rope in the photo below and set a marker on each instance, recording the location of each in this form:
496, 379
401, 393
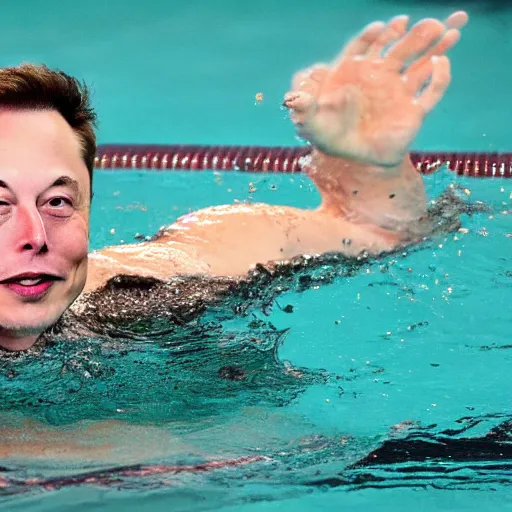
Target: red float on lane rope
278, 159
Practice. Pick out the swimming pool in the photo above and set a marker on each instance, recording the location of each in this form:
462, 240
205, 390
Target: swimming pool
399, 352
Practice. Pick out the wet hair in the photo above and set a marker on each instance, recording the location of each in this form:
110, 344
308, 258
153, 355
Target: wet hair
36, 87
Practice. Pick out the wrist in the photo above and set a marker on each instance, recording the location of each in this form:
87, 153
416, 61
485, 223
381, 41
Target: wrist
323, 160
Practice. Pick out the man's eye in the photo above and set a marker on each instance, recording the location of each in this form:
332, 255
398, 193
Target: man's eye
59, 206
59, 202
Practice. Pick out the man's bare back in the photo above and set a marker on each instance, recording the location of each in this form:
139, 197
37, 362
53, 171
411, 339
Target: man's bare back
229, 240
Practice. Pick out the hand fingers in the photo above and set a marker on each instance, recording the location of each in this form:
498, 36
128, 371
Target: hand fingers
373, 33
448, 41
433, 93
419, 71
394, 30
415, 42
309, 80
360, 44
457, 20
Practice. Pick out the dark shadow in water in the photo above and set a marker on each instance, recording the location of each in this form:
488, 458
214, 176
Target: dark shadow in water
421, 459
425, 458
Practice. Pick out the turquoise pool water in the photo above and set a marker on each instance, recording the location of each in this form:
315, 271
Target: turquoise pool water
422, 342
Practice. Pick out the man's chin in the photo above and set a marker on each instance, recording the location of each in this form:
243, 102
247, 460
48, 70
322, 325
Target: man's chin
33, 326
30, 320
19, 336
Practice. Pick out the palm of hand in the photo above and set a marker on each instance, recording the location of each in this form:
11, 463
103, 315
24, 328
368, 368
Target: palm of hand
365, 110
370, 106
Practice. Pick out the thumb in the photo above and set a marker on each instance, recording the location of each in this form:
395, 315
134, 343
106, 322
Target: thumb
300, 103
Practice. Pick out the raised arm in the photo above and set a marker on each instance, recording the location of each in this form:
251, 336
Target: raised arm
362, 112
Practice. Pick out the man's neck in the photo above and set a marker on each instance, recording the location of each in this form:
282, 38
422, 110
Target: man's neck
17, 343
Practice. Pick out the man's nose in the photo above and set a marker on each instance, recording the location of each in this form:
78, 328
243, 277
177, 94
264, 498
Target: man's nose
31, 230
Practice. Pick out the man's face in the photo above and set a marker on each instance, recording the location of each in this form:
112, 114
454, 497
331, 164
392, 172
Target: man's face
44, 220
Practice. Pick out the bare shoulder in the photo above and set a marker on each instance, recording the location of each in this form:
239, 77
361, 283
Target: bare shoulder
146, 259
221, 212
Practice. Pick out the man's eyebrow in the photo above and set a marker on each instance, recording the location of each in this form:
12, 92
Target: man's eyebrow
62, 181
66, 181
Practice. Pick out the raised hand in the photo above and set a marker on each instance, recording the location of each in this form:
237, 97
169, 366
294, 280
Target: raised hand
369, 104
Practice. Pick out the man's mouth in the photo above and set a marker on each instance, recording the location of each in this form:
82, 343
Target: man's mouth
28, 282
31, 286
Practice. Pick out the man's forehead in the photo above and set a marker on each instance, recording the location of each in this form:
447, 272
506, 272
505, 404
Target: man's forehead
38, 130
12, 118
40, 144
